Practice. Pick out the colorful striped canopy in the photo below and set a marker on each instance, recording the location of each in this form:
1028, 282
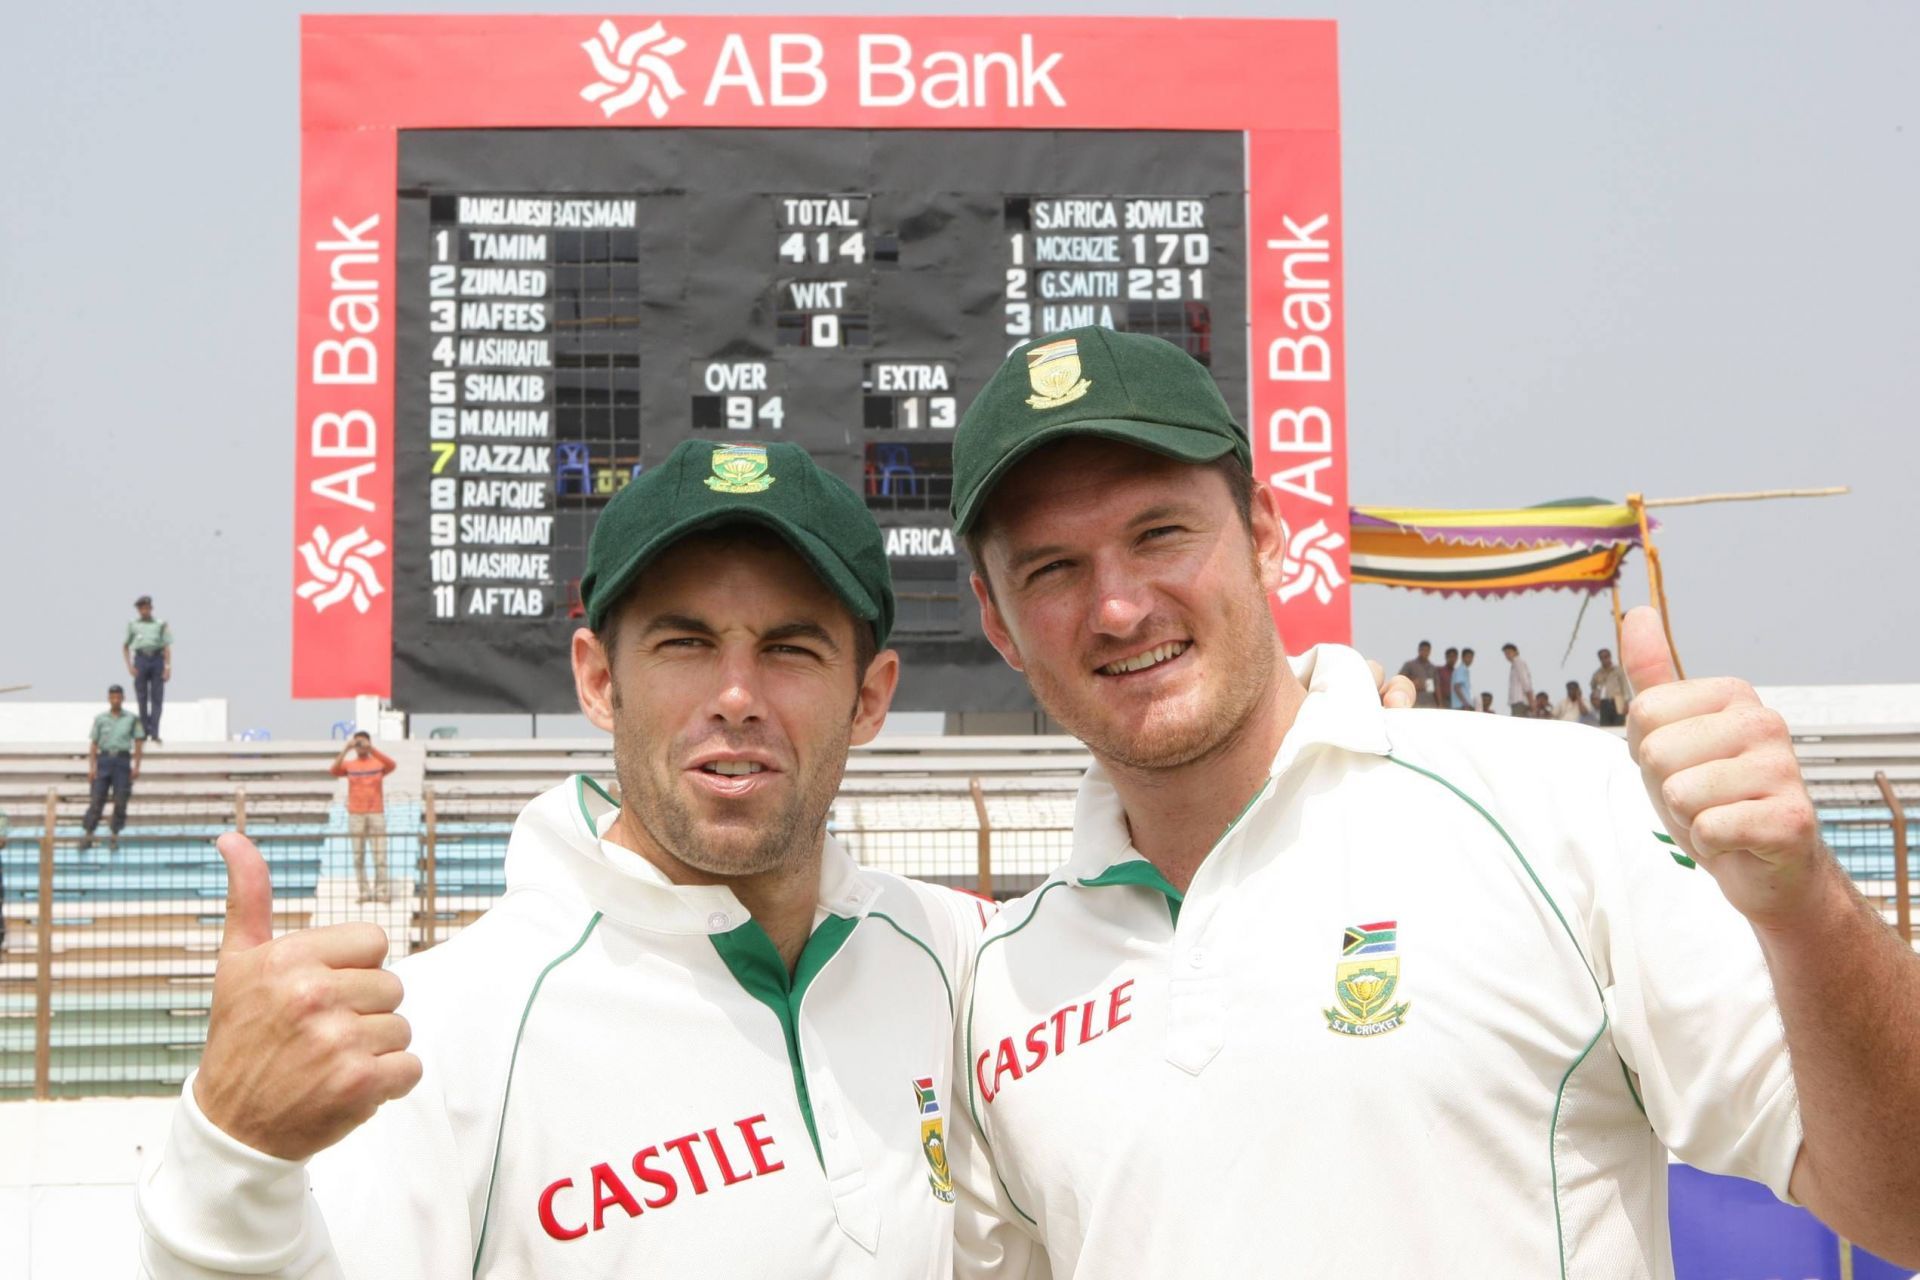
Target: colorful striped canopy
1573, 545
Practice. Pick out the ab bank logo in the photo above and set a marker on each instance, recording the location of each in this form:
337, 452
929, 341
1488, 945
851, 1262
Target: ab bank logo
1306, 562
633, 70
340, 569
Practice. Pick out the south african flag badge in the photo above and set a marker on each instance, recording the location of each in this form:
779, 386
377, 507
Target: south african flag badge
1366, 979
933, 1139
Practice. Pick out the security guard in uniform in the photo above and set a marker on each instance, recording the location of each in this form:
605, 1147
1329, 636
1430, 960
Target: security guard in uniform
113, 762
148, 651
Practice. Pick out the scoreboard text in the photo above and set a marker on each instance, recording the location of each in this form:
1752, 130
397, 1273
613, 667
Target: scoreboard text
819, 244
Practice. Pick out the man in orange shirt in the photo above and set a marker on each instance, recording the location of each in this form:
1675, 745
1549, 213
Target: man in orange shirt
364, 769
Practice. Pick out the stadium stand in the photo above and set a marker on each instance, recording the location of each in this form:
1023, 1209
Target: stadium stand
111, 998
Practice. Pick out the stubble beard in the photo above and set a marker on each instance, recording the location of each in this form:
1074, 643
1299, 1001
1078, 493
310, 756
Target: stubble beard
1241, 674
652, 794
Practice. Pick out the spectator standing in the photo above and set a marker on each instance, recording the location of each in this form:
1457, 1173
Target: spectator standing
1575, 706
365, 770
1519, 681
1443, 691
1460, 687
1425, 676
148, 650
1486, 704
113, 761
1610, 690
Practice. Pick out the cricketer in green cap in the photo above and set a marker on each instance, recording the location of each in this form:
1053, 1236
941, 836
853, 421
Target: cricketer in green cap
1129, 387
702, 485
738, 600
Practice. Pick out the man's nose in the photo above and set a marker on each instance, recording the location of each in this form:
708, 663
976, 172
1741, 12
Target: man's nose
1121, 600
736, 696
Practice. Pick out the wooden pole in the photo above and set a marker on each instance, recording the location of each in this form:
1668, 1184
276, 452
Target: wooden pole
43, 960
1656, 579
431, 892
1902, 893
1666, 612
984, 848
1638, 505
1619, 641
1756, 495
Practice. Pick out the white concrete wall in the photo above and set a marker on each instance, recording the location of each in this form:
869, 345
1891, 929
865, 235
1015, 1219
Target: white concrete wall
184, 720
67, 1171
1812, 706
382, 722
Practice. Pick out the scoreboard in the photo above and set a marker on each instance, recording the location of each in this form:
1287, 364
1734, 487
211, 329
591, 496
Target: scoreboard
537, 300
826, 287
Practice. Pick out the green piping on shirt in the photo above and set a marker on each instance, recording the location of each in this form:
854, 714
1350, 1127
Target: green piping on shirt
1678, 856
940, 968
1553, 1139
580, 795
755, 963
1553, 1129
1525, 865
1139, 871
974, 994
506, 1094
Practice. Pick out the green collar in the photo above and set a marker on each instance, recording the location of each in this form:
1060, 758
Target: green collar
1138, 871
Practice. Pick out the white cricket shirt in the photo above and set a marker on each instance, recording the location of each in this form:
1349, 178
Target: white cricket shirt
621, 1080
1438, 1004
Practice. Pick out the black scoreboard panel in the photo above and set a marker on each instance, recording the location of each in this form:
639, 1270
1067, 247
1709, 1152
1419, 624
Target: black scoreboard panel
573, 303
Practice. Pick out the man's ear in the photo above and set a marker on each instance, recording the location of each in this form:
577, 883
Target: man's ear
993, 624
1269, 536
876, 696
593, 679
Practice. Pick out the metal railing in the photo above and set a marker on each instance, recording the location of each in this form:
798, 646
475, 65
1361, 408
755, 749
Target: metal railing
108, 951
108, 946
109, 943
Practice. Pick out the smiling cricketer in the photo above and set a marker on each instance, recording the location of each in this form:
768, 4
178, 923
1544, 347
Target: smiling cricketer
1330, 989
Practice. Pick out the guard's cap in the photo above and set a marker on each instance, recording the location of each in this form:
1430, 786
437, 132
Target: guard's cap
114, 688
142, 600
1129, 387
703, 484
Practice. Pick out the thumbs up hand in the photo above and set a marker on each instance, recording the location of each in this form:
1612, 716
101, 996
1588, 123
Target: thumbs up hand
1397, 692
1721, 771
303, 1043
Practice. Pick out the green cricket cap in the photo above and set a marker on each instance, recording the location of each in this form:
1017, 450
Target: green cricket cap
703, 484
1129, 387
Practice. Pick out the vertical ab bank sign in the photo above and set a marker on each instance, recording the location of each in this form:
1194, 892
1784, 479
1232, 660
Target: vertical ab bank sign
364, 79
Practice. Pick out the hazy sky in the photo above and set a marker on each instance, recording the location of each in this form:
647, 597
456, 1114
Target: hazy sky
1589, 249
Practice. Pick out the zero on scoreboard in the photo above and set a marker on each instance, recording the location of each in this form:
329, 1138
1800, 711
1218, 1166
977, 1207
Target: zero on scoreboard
549, 249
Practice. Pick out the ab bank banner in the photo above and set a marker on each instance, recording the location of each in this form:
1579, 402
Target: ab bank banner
536, 252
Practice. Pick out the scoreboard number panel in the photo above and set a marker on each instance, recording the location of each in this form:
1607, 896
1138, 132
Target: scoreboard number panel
549, 328
555, 295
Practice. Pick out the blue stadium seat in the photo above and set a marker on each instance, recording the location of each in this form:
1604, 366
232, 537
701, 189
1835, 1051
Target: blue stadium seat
572, 461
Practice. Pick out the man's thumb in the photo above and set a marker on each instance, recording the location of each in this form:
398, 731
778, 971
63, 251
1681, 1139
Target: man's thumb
1644, 651
249, 894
